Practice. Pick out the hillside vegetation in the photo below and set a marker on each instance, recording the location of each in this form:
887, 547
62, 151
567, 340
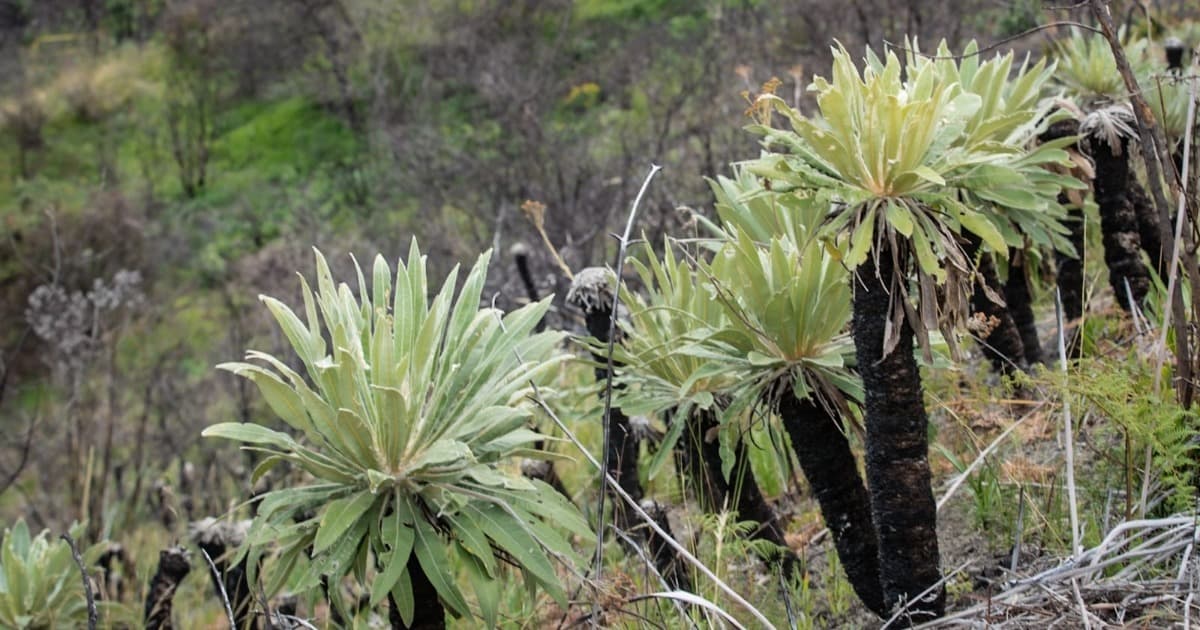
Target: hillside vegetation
832, 382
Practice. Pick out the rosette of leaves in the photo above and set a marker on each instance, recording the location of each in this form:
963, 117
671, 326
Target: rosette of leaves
40, 584
787, 300
407, 417
674, 315
888, 163
788, 305
666, 370
1087, 70
1012, 116
1169, 96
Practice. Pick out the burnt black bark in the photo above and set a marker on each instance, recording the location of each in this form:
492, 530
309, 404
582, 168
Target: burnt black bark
897, 461
1119, 222
591, 292
521, 256
219, 539
700, 453
832, 472
1147, 217
428, 612
1070, 279
669, 565
1020, 306
1001, 341
173, 566
1069, 269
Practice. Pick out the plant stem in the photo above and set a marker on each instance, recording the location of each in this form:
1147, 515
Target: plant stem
897, 460
832, 472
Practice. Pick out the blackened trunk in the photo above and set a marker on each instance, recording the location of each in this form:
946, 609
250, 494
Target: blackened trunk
621, 455
1001, 341
1119, 223
1147, 218
521, 256
1070, 278
428, 612
897, 461
702, 457
218, 539
670, 566
173, 566
1020, 306
832, 473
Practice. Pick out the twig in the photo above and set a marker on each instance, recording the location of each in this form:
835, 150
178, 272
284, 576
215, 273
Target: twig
637, 509
1016, 552
220, 588
93, 616
1083, 611
932, 588
618, 267
1068, 425
995, 45
1156, 160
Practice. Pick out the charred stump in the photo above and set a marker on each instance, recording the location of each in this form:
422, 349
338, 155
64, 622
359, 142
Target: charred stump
1107, 133
1020, 305
1151, 238
996, 328
1069, 269
669, 565
831, 469
428, 612
592, 292
220, 539
897, 445
118, 571
173, 566
520, 254
699, 452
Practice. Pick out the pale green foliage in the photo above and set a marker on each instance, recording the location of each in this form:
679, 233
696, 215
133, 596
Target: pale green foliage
405, 422
664, 367
1168, 97
40, 585
890, 162
788, 301
1087, 70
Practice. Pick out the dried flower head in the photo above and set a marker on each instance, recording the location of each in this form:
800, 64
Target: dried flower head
535, 211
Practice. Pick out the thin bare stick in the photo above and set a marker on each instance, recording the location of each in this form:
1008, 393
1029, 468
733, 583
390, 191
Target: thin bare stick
220, 589
93, 616
618, 267
1083, 611
612, 483
1177, 240
1016, 551
637, 509
979, 459
1068, 426
1157, 160
932, 588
